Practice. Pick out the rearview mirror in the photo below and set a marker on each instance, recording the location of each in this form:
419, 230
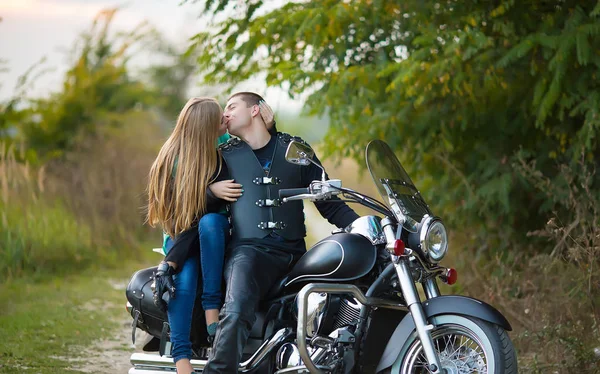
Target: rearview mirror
299, 154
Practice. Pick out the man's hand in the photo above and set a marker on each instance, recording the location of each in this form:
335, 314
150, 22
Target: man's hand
163, 282
267, 114
226, 190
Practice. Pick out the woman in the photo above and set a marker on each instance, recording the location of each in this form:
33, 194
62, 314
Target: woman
180, 182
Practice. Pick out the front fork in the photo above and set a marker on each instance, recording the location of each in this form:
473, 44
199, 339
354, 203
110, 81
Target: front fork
409, 291
413, 302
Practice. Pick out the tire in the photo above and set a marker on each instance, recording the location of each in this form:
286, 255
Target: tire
464, 345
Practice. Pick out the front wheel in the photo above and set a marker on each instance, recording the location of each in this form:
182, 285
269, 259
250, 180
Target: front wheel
464, 345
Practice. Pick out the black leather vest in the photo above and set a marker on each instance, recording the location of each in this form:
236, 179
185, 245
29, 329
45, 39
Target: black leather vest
259, 211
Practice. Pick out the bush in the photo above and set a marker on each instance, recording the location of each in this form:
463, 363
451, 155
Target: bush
37, 234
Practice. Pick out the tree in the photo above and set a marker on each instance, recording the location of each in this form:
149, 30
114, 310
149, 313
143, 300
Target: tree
99, 91
459, 89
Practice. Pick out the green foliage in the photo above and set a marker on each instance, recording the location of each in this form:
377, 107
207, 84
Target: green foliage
170, 81
96, 87
458, 89
42, 239
99, 91
73, 165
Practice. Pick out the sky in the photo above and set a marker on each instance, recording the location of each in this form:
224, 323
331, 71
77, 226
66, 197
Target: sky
33, 29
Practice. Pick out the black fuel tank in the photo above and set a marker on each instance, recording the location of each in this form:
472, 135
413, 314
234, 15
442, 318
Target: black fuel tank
339, 257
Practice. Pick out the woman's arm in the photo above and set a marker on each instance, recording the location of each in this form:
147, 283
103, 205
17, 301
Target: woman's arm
184, 246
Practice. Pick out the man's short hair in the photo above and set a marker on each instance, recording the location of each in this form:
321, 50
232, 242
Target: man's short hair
250, 98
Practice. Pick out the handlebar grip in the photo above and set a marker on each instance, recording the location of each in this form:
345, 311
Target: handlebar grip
288, 192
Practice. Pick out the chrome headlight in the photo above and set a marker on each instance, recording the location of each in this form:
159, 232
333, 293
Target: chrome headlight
434, 239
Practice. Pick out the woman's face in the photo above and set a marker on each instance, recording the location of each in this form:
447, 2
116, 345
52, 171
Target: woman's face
222, 126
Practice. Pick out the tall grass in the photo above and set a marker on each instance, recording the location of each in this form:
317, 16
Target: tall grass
86, 207
36, 233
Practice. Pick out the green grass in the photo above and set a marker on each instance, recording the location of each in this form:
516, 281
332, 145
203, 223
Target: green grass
42, 322
29, 230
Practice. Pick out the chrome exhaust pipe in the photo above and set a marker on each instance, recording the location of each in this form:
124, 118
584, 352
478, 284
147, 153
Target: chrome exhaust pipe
144, 362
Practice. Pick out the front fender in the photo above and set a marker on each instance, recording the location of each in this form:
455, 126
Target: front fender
452, 304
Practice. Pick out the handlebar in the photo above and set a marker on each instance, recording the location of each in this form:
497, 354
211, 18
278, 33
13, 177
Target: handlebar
288, 192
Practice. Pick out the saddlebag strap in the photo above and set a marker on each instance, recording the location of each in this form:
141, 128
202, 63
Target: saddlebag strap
134, 325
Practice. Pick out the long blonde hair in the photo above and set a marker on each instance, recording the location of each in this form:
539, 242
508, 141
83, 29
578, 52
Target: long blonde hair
176, 201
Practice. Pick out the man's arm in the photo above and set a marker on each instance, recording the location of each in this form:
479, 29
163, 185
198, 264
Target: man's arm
335, 211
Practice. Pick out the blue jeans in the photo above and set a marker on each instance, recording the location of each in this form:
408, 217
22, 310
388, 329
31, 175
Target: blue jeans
213, 230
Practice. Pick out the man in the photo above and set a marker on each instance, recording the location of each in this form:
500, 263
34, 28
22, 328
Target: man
268, 236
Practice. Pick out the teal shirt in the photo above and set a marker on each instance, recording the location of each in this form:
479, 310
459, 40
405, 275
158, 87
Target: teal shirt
220, 140
223, 139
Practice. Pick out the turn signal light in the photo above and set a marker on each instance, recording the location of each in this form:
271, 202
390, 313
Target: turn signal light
451, 276
399, 247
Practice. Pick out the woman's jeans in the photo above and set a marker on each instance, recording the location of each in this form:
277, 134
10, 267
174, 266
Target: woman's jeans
213, 230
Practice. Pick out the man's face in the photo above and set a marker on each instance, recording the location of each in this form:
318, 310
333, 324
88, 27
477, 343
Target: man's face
237, 114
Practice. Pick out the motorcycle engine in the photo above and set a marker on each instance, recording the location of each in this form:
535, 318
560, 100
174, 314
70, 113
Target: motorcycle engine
331, 322
327, 313
348, 313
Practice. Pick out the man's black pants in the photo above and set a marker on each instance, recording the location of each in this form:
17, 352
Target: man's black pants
250, 271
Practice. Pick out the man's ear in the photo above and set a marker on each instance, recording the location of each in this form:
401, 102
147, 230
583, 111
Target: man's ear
255, 111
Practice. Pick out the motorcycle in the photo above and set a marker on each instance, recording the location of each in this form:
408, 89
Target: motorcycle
351, 303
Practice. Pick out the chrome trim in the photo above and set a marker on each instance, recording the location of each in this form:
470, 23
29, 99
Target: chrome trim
431, 289
393, 203
293, 370
326, 274
444, 250
265, 349
144, 361
411, 296
145, 371
388, 231
427, 219
427, 223
303, 295
434, 270
289, 350
317, 306
299, 367
299, 153
369, 227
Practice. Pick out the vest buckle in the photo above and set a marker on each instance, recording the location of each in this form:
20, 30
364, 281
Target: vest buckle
268, 202
271, 225
266, 180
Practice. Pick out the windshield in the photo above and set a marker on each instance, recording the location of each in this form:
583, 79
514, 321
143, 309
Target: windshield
395, 186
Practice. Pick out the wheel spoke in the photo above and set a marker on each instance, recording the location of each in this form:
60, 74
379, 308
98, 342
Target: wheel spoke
451, 342
460, 346
456, 348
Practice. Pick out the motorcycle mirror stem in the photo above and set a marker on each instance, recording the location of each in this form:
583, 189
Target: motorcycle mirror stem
302, 154
323, 177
